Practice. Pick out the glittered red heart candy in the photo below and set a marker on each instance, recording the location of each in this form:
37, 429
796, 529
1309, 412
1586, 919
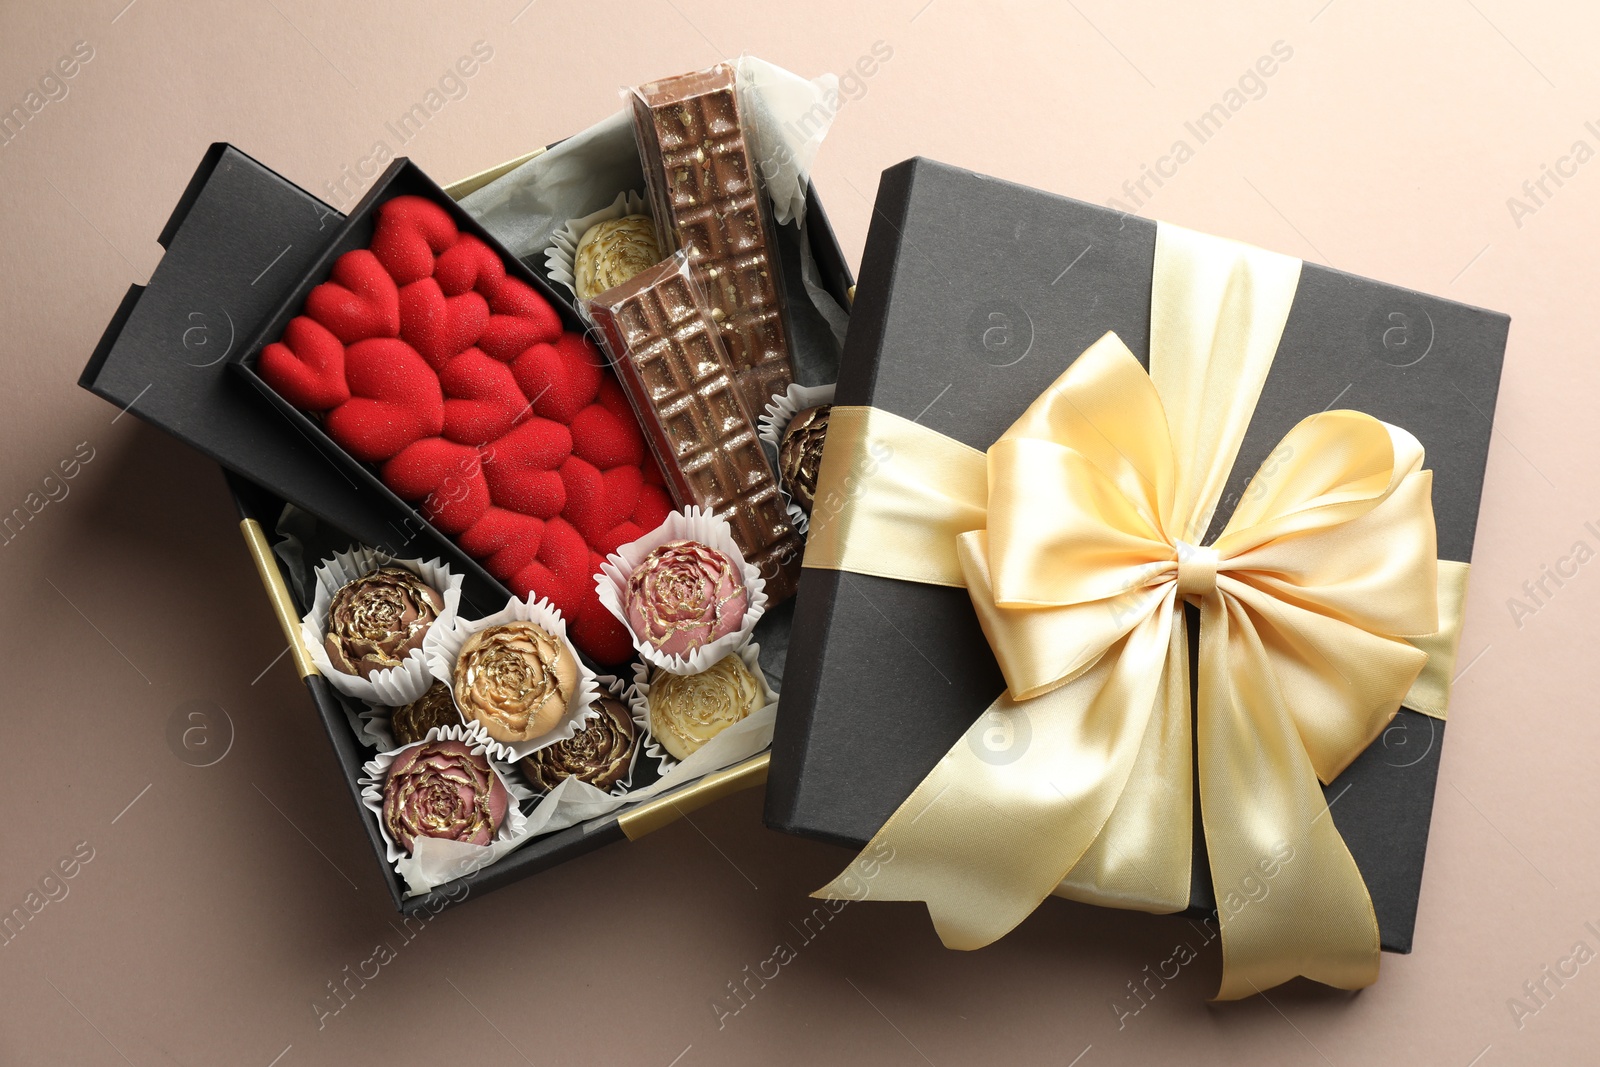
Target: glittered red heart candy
468, 263
522, 468
506, 541
446, 477
560, 379
395, 400
307, 366
359, 300
411, 231
481, 398
520, 318
440, 327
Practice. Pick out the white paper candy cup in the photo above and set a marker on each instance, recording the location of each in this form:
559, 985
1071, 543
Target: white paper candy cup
774, 423
393, 686
442, 646
560, 259
430, 852
374, 726
721, 754
691, 524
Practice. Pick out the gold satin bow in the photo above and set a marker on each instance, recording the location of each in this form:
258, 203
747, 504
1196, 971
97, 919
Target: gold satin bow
1076, 537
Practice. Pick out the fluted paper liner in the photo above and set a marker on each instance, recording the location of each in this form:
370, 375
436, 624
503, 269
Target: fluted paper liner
392, 686
442, 646
561, 258
691, 524
774, 423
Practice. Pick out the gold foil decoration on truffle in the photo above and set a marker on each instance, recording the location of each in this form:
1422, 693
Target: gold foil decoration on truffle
687, 710
611, 252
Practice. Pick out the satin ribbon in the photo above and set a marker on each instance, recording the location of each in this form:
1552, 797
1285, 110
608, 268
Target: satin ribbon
1077, 536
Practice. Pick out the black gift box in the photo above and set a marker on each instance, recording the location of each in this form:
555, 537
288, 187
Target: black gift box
239, 244
975, 295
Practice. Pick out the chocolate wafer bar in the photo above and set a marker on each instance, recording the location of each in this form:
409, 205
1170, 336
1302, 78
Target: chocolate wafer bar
708, 199
658, 330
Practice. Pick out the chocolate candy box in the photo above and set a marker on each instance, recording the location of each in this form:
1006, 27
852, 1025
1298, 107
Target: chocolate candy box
238, 239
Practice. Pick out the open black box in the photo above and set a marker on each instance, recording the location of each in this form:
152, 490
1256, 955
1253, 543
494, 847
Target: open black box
481, 592
239, 237
976, 294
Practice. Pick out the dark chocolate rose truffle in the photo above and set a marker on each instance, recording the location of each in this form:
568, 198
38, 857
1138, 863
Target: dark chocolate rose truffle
800, 454
683, 595
598, 754
434, 708
687, 710
515, 679
442, 789
376, 621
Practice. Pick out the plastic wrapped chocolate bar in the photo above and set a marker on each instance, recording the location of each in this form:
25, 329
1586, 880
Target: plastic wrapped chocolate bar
664, 344
708, 199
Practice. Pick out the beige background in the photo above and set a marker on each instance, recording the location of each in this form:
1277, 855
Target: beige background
219, 905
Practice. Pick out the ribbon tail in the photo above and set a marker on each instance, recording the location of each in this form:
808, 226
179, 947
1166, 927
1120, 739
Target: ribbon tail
1290, 898
1143, 858
1018, 800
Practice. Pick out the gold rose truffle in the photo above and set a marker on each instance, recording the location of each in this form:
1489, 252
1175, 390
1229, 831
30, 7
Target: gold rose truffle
611, 252
377, 620
515, 679
687, 710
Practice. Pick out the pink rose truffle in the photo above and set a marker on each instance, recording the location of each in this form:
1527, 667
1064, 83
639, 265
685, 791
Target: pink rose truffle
443, 789
684, 595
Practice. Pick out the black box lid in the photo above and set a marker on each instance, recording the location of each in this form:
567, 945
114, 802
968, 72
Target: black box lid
239, 238
975, 295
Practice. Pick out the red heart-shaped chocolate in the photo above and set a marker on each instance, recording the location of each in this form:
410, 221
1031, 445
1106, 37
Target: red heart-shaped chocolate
411, 231
359, 301
395, 400
306, 367
519, 317
481, 398
522, 468
506, 541
560, 379
600, 437
440, 327
561, 572
600, 503
599, 633
651, 511
467, 263
446, 477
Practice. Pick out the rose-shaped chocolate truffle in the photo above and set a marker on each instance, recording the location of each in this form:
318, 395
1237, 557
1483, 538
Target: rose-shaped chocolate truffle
436, 707
611, 252
683, 595
800, 454
375, 621
515, 679
599, 754
442, 789
687, 710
